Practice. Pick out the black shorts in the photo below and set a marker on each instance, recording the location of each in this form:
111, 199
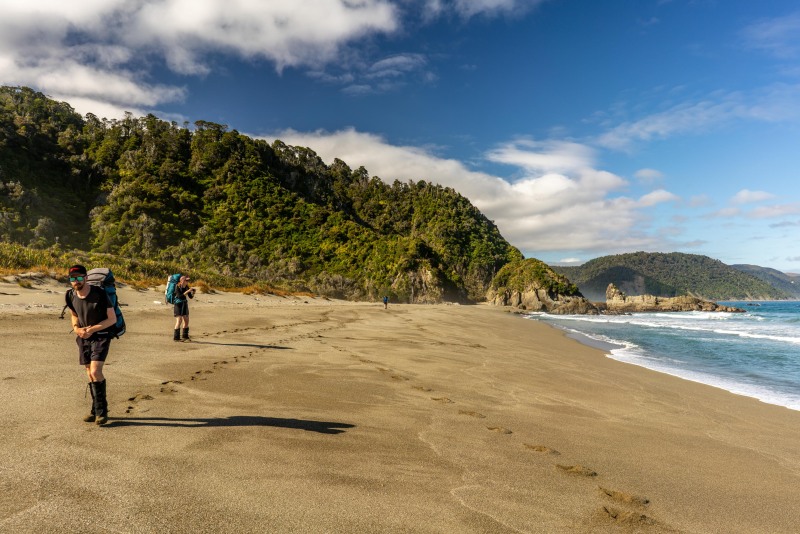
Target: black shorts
92, 350
180, 308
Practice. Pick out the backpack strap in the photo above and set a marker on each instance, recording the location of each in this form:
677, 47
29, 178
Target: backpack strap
68, 303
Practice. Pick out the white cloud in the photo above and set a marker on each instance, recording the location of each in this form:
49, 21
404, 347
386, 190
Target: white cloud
561, 202
396, 65
745, 196
648, 176
470, 8
100, 53
771, 212
779, 36
776, 103
657, 197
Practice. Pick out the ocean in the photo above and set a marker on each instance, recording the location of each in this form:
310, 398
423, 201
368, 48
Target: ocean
756, 353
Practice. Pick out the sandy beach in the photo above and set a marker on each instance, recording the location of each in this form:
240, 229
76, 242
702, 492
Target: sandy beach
308, 415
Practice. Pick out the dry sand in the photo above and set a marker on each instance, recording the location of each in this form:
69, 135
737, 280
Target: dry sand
310, 415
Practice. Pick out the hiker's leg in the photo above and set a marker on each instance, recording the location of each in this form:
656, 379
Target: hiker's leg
186, 327
100, 402
95, 371
90, 418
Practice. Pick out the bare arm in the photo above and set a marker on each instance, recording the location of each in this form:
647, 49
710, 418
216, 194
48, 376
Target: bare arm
87, 331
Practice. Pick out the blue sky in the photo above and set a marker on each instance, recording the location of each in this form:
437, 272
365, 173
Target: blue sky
582, 128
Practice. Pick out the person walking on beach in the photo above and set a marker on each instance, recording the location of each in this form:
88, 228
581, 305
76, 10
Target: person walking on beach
92, 316
181, 308
385, 302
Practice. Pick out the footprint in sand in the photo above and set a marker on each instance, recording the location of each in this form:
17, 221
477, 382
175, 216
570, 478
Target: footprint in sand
443, 400
543, 449
472, 414
499, 429
621, 517
422, 388
577, 470
624, 497
135, 399
398, 377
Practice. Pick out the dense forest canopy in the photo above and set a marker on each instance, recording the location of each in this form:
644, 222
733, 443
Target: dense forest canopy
668, 275
211, 198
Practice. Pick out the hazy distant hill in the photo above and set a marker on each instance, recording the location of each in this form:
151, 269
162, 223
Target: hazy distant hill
668, 275
788, 283
210, 198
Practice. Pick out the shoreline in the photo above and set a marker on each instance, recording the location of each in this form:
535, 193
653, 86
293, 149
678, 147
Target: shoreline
300, 414
620, 351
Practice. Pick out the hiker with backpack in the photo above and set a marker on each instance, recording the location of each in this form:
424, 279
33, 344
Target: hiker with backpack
93, 321
181, 294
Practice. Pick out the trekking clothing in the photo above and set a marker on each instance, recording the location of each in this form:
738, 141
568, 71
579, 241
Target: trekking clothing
92, 350
91, 310
100, 402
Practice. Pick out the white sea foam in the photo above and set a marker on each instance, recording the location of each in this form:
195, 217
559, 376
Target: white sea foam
753, 354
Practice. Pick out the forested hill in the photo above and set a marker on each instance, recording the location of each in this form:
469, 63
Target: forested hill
668, 275
209, 198
787, 283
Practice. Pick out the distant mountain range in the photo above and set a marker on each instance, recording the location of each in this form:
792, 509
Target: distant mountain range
673, 274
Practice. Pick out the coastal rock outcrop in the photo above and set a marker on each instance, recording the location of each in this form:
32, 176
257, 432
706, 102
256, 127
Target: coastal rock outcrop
531, 285
538, 299
619, 302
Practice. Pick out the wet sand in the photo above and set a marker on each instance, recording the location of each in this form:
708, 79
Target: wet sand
311, 415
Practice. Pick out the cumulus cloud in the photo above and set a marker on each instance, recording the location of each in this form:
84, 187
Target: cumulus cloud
102, 52
745, 196
558, 201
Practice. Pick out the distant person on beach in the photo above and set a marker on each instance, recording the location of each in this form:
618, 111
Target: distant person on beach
92, 316
181, 308
385, 302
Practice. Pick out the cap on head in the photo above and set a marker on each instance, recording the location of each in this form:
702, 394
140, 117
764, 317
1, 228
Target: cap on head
77, 270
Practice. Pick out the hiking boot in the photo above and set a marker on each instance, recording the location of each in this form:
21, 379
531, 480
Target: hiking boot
177, 335
90, 418
186, 335
100, 403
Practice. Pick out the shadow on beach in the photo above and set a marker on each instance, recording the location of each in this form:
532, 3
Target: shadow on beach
253, 345
322, 427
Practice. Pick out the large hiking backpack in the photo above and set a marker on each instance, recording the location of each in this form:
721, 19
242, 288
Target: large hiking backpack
104, 279
170, 296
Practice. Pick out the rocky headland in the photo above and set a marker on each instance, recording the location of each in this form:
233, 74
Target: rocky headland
619, 302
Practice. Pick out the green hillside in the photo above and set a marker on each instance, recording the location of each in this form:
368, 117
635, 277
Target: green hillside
668, 275
212, 199
525, 274
787, 283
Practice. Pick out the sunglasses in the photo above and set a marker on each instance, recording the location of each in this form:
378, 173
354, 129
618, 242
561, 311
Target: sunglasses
76, 278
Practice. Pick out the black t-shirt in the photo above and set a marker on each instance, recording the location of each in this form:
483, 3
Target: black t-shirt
182, 292
92, 310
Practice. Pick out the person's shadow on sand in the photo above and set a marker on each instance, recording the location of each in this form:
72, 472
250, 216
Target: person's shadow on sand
322, 427
253, 345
